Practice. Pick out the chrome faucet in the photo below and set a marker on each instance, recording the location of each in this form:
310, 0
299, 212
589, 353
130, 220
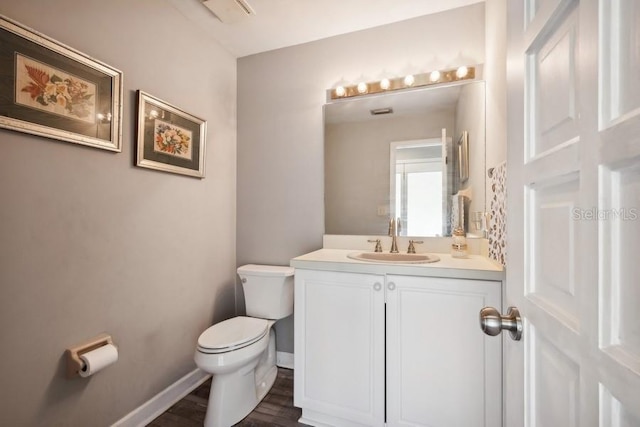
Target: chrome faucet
394, 230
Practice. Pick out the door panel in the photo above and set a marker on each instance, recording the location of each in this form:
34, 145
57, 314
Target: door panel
619, 63
553, 379
552, 88
620, 318
550, 279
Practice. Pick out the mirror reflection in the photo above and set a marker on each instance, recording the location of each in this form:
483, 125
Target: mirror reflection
417, 155
418, 183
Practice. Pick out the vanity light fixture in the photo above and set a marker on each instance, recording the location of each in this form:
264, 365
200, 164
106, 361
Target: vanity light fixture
399, 83
409, 80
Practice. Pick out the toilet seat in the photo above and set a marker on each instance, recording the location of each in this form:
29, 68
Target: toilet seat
232, 334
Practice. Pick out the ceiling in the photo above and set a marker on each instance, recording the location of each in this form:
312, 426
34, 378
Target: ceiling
282, 23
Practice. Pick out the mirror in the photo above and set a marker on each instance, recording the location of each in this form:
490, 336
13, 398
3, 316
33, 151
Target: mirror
405, 154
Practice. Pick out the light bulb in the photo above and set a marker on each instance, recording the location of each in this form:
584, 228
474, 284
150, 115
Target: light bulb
385, 84
462, 72
409, 80
340, 91
153, 114
362, 87
434, 76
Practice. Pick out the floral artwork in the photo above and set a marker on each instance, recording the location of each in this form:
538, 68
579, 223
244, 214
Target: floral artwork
53, 91
45, 88
171, 139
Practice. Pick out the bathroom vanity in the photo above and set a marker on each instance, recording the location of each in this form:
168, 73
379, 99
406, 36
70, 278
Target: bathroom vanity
396, 344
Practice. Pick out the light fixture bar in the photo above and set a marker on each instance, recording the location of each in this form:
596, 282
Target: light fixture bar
399, 83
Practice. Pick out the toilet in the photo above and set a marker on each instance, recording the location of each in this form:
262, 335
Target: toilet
240, 352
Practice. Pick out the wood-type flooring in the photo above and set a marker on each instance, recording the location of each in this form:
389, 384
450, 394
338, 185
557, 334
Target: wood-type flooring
275, 410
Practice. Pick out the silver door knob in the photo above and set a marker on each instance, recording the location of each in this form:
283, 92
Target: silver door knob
492, 322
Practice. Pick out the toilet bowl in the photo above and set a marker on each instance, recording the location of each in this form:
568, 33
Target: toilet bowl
240, 352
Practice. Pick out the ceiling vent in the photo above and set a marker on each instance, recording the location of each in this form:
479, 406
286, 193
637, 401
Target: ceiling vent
380, 111
230, 11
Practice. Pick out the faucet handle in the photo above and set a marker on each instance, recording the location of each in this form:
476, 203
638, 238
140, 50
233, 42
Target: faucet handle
378, 245
412, 249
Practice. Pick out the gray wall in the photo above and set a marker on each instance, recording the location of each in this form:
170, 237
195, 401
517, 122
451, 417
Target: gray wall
90, 243
280, 210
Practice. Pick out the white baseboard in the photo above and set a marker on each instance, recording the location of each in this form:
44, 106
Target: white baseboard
162, 401
284, 360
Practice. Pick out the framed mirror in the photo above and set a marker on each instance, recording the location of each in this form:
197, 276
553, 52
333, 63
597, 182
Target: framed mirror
405, 155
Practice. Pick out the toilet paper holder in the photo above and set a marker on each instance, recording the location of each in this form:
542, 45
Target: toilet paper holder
74, 363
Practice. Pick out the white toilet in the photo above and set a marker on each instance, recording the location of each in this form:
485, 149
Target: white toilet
241, 352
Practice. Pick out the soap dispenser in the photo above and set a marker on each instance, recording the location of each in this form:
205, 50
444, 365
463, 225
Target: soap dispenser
459, 245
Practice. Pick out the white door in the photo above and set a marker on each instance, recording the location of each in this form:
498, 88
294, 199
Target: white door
573, 226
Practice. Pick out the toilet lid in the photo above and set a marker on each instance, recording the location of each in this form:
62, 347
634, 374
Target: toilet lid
232, 334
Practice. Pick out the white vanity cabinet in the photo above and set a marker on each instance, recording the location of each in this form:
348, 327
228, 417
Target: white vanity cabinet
441, 370
339, 348
395, 350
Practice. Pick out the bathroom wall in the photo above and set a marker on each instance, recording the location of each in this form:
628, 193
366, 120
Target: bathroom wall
495, 74
280, 209
90, 243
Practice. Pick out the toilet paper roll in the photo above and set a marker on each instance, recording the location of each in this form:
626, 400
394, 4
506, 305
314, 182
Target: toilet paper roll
98, 359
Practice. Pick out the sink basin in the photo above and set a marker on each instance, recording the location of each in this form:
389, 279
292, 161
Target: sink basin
399, 258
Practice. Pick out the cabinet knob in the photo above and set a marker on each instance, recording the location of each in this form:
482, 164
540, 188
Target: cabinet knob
391, 286
492, 322
377, 286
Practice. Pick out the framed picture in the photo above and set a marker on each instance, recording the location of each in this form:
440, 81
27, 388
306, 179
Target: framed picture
169, 139
51, 90
463, 156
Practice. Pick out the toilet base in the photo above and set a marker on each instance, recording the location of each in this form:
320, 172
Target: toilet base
234, 395
231, 398
263, 387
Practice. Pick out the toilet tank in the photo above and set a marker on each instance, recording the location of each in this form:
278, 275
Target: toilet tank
268, 290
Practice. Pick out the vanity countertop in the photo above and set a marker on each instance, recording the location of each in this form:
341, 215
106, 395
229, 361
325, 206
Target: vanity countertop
474, 267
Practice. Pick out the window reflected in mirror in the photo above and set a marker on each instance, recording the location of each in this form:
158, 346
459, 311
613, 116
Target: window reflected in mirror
417, 183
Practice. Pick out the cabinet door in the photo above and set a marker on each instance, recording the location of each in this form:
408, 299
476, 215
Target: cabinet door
339, 348
442, 371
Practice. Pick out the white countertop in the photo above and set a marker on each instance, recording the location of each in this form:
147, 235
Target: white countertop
473, 267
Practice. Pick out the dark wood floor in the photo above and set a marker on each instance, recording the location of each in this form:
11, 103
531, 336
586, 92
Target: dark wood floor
276, 409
